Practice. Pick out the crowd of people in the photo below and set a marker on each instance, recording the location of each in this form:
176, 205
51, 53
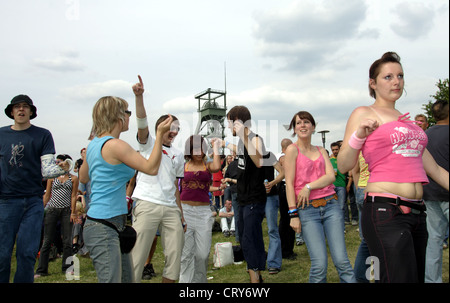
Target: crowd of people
395, 174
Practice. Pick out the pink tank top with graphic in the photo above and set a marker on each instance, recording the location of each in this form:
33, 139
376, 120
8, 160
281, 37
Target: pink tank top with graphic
394, 152
308, 171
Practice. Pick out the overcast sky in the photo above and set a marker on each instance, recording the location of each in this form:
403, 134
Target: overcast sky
281, 57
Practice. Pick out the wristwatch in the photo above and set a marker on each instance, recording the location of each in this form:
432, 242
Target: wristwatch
308, 187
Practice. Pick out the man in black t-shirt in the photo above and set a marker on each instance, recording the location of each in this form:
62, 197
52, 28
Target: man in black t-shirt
251, 192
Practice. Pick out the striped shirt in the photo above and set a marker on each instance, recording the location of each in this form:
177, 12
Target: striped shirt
61, 193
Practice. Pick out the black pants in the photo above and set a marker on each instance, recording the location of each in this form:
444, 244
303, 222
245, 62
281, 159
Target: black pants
251, 235
398, 240
52, 216
287, 234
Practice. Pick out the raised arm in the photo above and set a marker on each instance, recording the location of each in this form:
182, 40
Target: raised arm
253, 146
141, 115
123, 152
215, 165
359, 126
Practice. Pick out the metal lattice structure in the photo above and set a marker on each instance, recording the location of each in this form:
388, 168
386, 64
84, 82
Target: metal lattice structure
212, 113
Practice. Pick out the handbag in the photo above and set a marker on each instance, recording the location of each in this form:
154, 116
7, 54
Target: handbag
127, 236
223, 254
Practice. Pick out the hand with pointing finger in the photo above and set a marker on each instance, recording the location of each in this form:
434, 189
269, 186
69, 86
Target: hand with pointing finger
138, 88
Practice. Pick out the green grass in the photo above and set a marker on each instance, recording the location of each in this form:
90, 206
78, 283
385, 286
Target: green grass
293, 271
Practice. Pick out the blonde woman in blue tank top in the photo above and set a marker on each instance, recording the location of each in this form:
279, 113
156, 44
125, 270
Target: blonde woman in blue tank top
111, 163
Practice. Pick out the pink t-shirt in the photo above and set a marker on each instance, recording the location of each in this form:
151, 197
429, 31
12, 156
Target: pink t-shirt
308, 171
394, 152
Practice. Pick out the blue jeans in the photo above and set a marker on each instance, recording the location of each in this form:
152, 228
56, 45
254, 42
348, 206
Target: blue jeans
21, 218
359, 197
235, 204
103, 244
342, 197
320, 225
250, 233
437, 225
363, 250
274, 252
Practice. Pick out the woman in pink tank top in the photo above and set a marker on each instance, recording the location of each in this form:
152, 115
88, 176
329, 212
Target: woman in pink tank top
393, 216
194, 197
313, 206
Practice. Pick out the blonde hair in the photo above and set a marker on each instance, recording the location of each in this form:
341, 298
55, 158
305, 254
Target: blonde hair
107, 112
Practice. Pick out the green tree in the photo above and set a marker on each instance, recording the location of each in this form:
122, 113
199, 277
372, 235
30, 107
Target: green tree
441, 94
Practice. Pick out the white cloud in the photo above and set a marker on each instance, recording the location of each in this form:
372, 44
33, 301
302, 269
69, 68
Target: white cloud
93, 91
180, 105
306, 34
415, 20
66, 61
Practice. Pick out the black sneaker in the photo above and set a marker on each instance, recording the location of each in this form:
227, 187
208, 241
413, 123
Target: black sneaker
75, 248
148, 272
292, 256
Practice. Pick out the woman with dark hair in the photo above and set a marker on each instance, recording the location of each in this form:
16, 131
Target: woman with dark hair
59, 200
394, 147
195, 187
313, 206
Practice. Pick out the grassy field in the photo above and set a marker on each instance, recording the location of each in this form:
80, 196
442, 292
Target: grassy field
293, 271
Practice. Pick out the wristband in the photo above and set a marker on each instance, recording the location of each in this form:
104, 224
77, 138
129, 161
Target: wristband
226, 143
142, 123
355, 142
293, 215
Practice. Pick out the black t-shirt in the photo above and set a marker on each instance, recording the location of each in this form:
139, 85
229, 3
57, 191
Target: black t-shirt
232, 172
250, 179
438, 145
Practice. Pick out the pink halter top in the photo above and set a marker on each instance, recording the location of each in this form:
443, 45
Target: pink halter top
195, 185
308, 171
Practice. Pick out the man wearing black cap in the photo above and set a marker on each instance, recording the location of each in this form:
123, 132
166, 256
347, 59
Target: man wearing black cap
26, 157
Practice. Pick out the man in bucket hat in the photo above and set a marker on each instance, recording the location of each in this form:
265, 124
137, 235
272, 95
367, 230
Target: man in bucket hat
18, 100
26, 157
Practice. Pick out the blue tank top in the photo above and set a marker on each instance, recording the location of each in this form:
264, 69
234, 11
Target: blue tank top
108, 183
